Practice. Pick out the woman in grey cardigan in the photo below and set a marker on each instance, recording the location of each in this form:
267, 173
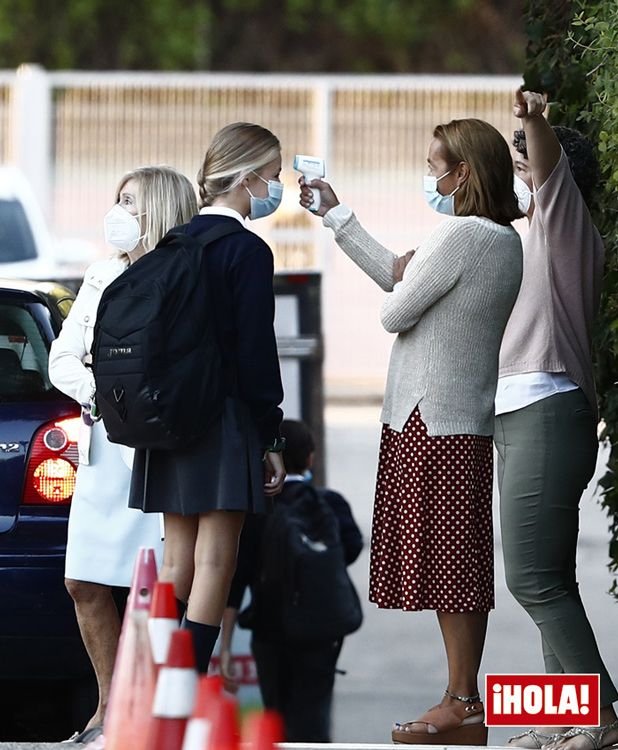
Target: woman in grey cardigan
448, 303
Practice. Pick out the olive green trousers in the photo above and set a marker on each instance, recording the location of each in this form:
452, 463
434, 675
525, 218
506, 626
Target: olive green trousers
546, 457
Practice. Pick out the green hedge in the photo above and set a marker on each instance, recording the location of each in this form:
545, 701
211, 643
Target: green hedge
572, 55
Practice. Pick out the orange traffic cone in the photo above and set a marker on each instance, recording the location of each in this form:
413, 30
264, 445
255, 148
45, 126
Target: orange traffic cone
264, 730
200, 723
175, 695
133, 683
162, 622
224, 733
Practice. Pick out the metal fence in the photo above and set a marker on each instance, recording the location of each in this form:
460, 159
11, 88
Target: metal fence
76, 133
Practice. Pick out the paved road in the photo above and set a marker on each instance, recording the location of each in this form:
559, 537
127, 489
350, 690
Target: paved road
395, 663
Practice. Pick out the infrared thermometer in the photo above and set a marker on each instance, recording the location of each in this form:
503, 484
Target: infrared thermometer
312, 168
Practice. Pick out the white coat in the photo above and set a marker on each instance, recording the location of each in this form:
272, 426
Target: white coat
104, 533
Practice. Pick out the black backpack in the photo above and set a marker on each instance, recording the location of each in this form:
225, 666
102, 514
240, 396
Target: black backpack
158, 368
303, 593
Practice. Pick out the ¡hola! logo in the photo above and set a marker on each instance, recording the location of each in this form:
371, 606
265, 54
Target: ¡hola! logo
550, 700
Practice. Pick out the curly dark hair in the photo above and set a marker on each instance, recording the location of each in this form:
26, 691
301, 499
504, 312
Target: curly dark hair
580, 153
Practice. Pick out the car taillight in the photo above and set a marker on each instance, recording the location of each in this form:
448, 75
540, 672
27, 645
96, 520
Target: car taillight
52, 464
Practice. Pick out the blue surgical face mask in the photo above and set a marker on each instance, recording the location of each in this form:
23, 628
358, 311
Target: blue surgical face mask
261, 207
443, 204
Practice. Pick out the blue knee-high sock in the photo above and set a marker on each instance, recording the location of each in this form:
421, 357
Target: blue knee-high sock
204, 639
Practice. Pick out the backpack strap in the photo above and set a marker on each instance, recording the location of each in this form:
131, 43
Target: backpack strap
301, 488
309, 493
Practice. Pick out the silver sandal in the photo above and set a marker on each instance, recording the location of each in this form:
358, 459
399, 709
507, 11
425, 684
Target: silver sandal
594, 734
538, 738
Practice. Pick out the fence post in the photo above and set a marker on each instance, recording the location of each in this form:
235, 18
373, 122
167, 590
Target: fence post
29, 142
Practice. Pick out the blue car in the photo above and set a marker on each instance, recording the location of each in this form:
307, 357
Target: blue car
43, 664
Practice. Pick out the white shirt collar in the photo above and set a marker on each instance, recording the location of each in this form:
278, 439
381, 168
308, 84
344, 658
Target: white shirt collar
294, 478
222, 211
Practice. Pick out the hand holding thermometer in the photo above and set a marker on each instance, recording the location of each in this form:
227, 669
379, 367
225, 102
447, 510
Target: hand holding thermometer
312, 168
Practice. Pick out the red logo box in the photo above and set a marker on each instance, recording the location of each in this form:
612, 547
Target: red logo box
542, 700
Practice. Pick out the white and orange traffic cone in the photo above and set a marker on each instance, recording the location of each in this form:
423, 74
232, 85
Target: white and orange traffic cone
263, 731
133, 682
199, 725
162, 622
174, 696
144, 579
224, 733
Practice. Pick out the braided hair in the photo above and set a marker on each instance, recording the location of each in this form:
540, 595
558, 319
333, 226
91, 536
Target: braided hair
236, 150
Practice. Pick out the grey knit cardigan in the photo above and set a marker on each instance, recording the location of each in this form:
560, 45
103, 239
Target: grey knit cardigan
449, 313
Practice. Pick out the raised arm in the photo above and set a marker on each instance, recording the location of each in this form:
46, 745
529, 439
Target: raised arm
541, 142
368, 254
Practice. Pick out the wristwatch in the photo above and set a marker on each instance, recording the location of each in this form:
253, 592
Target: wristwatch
276, 447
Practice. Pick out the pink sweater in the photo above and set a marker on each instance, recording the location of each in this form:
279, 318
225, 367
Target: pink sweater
550, 328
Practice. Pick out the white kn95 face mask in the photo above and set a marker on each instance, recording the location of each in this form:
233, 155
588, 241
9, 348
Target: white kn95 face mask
122, 229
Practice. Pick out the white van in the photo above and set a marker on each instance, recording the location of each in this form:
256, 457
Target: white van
27, 249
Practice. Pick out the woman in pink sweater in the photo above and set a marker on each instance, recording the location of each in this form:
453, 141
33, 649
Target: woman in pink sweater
546, 407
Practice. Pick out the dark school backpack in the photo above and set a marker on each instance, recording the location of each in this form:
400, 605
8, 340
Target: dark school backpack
303, 592
158, 369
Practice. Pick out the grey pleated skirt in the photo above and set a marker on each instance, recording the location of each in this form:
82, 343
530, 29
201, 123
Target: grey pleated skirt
221, 471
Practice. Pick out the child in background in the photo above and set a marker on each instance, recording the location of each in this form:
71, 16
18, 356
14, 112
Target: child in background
295, 680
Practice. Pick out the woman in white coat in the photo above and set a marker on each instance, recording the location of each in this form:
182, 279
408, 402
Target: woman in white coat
104, 534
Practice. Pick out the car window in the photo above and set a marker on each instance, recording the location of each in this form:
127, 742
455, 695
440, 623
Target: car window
23, 354
16, 240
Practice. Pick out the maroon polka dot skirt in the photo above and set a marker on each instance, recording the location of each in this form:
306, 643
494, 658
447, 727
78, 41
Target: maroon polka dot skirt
432, 533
